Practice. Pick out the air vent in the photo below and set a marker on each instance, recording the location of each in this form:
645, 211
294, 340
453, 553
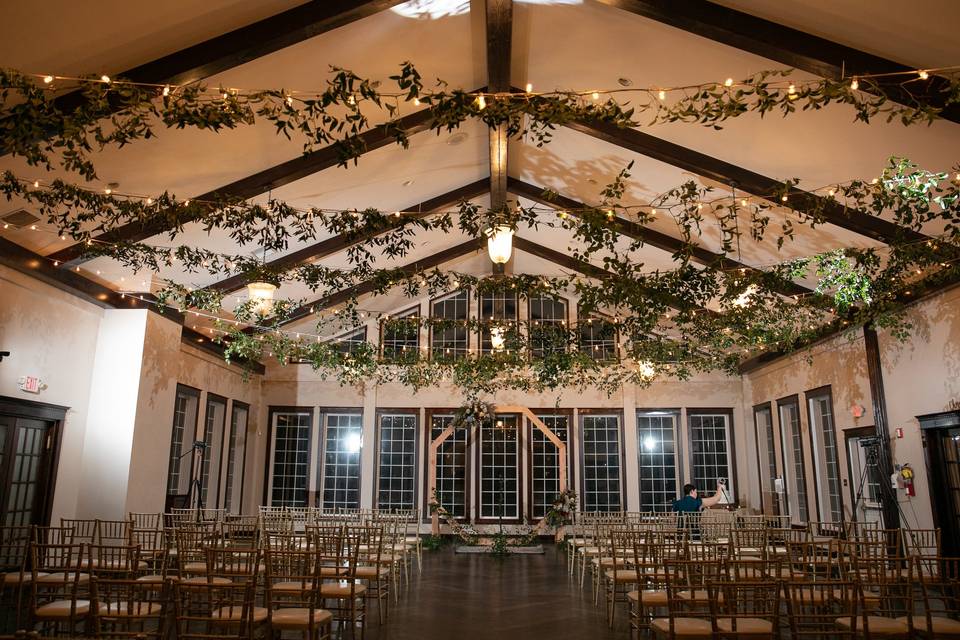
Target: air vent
20, 218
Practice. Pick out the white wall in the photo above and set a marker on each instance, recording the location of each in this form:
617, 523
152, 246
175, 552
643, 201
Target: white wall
52, 335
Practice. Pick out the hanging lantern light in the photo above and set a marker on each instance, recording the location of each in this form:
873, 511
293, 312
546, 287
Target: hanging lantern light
646, 370
497, 338
500, 244
261, 295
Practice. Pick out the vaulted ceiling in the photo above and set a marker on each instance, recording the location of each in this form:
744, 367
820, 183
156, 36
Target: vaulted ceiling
551, 44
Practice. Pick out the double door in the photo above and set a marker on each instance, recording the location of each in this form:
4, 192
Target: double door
26, 468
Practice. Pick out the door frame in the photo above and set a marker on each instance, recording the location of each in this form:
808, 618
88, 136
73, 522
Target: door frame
931, 428
852, 483
33, 409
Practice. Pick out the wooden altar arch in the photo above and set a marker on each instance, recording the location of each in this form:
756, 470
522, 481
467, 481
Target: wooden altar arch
524, 411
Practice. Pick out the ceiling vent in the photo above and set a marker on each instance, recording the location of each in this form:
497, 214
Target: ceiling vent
20, 218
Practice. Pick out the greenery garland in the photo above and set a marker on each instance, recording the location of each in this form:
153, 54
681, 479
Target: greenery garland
116, 113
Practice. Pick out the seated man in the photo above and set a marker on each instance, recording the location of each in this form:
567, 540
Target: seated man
690, 503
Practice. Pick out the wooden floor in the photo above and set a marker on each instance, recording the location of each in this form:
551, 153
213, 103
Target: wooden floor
474, 597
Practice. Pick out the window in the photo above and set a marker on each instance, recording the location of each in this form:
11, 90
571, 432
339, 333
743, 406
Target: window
548, 326
598, 338
450, 342
400, 336
342, 441
710, 452
499, 491
497, 307
236, 455
291, 458
397, 463
795, 477
657, 449
545, 463
451, 466
766, 458
823, 438
350, 342
601, 462
214, 424
180, 469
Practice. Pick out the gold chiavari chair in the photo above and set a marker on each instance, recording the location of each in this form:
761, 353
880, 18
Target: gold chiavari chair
373, 569
924, 543
58, 587
292, 593
209, 611
121, 605
82, 531
882, 608
622, 573
813, 608
939, 616
153, 554
232, 565
146, 520
339, 552
651, 594
112, 532
15, 573
686, 617
748, 601
192, 543
749, 543
411, 535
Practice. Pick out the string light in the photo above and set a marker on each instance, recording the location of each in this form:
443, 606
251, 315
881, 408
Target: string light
481, 103
728, 82
923, 74
166, 91
105, 79
595, 95
47, 79
529, 87
854, 84
662, 94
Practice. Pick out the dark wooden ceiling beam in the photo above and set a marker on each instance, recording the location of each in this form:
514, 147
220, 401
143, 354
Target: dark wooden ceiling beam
791, 47
256, 184
242, 45
745, 180
344, 241
369, 286
647, 235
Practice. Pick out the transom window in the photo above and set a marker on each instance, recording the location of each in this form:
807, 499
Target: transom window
710, 449
547, 326
342, 440
601, 463
450, 342
657, 450
397, 468
400, 336
545, 462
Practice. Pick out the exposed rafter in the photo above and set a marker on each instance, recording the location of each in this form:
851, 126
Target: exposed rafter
791, 47
344, 241
258, 183
637, 231
242, 45
749, 181
369, 286
499, 31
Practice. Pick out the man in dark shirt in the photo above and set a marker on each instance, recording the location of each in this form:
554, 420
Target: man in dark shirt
690, 503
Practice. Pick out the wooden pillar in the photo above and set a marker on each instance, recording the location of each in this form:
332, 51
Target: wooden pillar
890, 508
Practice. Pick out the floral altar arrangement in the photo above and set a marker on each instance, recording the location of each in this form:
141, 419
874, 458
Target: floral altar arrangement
562, 510
475, 412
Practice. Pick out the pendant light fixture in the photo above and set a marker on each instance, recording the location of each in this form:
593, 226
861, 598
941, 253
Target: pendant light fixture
261, 295
500, 244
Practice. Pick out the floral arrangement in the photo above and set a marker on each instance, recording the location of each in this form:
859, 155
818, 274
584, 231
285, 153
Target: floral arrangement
475, 412
562, 509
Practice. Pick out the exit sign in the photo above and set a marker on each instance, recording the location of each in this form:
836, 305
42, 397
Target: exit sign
29, 384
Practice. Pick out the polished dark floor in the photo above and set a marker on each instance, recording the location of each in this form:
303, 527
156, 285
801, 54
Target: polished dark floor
477, 597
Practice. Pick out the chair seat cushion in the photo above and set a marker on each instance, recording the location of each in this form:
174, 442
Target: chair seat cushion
684, 627
194, 567
338, 590
698, 595
745, 625
621, 575
61, 609
941, 626
649, 598
61, 576
292, 586
299, 618
878, 625
372, 572
13, 578
206, 579
234, 613
132, 609
155, 578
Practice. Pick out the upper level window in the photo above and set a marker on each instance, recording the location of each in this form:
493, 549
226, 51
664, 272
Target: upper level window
498, 307
350, 342
400, 336
449, 339
547, 326
598, 338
